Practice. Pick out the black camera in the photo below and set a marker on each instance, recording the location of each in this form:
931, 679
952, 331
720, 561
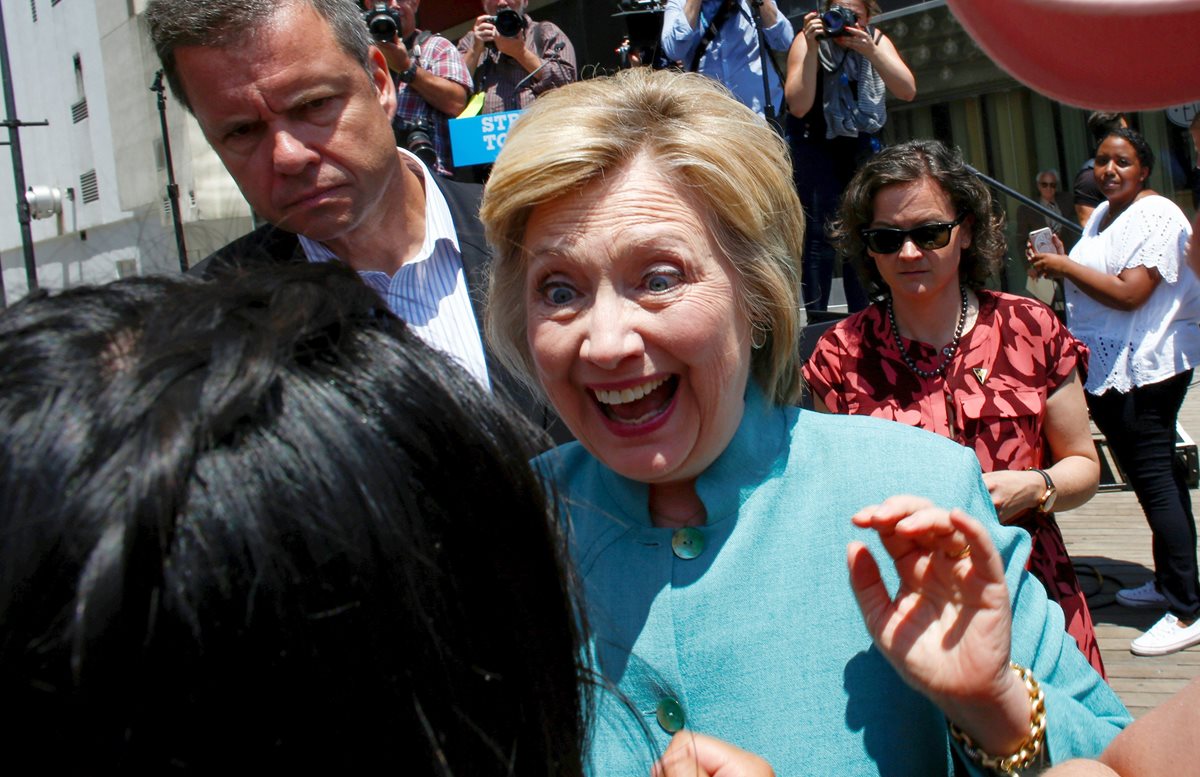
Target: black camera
837, 19
417, 137
509, 23
383, 22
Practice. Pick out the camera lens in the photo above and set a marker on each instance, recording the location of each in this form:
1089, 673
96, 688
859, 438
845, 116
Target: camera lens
417, 137
833, 22
383, 22
383, 28
421, 144
509, 23
837, 19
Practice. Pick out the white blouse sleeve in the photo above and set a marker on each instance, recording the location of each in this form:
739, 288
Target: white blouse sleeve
1155, 236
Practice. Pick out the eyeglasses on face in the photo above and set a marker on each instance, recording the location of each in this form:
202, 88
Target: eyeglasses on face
888, 240
1048, 184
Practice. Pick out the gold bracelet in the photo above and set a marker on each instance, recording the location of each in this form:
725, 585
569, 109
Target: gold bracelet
1033, 745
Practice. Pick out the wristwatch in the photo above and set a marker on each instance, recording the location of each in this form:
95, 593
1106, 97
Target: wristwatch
1046, 503
408, 75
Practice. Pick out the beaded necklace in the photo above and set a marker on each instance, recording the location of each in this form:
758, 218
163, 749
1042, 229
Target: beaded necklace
947, 352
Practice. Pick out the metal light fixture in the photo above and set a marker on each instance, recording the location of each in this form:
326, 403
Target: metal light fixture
44, 201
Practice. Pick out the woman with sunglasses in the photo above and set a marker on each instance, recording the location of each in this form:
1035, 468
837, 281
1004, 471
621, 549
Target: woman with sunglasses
1130, 298
995, 372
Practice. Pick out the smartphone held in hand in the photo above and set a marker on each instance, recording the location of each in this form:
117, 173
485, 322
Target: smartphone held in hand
1041, 242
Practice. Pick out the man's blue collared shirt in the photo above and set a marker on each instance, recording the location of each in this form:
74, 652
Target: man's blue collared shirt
732, 57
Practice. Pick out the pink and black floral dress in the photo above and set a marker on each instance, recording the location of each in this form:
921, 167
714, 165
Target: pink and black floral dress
991, 398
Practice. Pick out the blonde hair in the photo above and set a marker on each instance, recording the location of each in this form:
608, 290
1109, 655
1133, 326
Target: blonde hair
698, 137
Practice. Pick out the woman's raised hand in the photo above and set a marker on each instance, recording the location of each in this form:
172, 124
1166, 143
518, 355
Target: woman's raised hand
1013, 491
814, 28
948, 629
696, 755
860, 40
1047, 265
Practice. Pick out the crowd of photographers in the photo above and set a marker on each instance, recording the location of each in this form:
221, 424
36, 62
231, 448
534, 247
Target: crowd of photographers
507, 57
829, 101
432, 82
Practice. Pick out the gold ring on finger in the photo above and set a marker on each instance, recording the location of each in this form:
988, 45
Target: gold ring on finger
961, 553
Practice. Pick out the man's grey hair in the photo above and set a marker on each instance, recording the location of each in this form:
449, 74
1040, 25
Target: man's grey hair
175, 23
1048, 171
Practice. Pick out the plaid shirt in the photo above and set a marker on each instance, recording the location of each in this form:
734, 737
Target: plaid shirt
498, 74
438, 56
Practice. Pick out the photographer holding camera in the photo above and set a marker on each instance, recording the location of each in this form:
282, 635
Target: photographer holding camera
514, 58
839, 71
719, 39
432, 81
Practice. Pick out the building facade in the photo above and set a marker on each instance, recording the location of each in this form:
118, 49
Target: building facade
86, 67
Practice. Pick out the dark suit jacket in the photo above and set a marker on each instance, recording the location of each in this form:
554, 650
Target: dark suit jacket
271, 244
1028, 220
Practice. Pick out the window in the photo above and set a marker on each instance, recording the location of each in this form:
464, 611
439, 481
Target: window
88, 186
79, 110
79, 93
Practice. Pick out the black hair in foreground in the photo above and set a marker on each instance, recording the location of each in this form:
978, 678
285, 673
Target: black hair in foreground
259, 525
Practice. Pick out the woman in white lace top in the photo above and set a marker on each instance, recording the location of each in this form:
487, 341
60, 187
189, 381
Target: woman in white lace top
1132, 300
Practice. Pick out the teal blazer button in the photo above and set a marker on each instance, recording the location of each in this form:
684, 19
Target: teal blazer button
670, 715
687, 543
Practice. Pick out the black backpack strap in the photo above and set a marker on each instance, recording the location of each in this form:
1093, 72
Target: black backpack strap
710, 32
418, 40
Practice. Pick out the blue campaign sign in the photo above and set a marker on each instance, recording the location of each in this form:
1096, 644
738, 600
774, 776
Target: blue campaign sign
477, 140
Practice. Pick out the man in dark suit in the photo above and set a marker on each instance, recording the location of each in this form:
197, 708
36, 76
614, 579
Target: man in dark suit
297, 102
1051, 197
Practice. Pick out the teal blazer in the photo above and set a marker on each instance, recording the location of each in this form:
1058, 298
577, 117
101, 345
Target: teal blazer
748, 629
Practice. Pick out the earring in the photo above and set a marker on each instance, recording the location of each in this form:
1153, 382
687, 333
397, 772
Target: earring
758, 336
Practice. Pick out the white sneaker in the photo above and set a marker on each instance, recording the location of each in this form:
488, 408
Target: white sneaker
1166, 636
1145, 595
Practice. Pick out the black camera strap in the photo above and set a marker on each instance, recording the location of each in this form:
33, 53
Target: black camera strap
417, 39
414, 44
710, 32
727, 9
764, 53
487, 62
490, 59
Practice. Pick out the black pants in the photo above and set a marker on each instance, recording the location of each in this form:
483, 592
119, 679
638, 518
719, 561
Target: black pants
821, 169
1140, 427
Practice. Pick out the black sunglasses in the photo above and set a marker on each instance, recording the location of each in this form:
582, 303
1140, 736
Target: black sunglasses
888, 240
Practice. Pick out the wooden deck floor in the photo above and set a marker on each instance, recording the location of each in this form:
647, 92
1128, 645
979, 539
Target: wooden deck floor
1110, 543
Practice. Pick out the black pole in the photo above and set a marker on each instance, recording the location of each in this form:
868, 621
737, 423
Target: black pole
1060, 218
765, 56
14, 141
172, 187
